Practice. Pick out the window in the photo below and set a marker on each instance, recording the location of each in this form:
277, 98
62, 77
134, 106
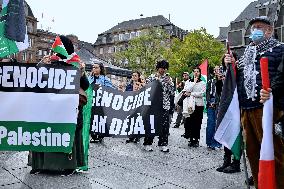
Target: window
115, 37
126, 36
40, 52
132, 35
138, 33
110, 49
120, 37
30, 27
237, 25
114, 49
24, 56
30, 42
262, 11
101, 50
236, 38
44, 53
103, 39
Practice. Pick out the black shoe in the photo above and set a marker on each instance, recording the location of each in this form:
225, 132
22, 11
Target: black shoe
250, 181
129, 140
35, 171
210, 148
101, 140
226, 163
136, 140
233, 168
68, 172
190, 143
194, 143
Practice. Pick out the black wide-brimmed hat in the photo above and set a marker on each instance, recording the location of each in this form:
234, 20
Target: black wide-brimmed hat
263, 19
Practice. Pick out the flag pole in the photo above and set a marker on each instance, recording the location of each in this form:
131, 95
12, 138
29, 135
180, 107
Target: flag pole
245, 162
243, 143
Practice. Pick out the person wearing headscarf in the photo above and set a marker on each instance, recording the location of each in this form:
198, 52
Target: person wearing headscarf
66, 163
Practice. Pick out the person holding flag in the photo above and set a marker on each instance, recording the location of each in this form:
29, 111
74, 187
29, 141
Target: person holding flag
229, 166
59, 161
249, 84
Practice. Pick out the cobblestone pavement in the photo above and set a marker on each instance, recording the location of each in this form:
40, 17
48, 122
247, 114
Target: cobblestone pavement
115, 164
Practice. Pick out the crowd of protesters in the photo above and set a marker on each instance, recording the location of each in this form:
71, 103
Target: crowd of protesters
189, 104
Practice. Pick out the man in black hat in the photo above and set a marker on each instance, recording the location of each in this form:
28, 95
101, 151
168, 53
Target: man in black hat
249, 85
168, 91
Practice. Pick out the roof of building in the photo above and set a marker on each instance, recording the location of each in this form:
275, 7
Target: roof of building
28, 10
139, 24
86, 45
89, 58
223, 33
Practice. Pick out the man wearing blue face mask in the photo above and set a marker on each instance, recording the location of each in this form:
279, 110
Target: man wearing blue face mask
249, 85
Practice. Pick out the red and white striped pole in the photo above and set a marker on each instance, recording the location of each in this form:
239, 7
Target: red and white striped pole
266, 173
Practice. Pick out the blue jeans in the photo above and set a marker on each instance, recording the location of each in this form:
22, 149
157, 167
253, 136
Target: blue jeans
211, 128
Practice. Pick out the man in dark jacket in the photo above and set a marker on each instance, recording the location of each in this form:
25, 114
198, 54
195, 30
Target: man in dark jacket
249, 86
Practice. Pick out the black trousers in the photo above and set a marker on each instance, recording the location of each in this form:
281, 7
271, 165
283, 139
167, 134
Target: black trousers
193, 123
164, 132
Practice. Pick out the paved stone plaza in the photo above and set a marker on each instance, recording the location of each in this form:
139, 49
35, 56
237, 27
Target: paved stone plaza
115, 164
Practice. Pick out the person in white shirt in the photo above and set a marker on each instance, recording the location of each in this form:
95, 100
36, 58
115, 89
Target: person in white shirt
195, 88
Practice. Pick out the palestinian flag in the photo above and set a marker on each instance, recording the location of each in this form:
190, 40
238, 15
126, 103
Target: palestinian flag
58, 47
228, 119
204, 70
10, 41
266, 173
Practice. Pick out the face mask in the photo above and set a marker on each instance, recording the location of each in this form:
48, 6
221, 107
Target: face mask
257, 35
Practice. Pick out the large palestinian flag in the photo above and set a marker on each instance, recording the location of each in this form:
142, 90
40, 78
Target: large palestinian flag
38, 109
228, 119
12, 19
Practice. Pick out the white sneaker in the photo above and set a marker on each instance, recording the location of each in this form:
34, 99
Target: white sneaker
148, 148
165, 149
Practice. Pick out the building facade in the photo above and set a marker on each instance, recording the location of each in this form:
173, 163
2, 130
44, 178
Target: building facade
239, 30
40, 42
117, 38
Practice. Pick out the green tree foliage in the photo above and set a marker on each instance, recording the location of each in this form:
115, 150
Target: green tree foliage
144, 51
197, 46
154, 44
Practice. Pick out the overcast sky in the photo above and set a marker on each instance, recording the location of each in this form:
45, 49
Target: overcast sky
88, 18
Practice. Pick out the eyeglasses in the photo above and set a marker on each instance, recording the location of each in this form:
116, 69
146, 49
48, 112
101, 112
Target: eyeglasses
96, 67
